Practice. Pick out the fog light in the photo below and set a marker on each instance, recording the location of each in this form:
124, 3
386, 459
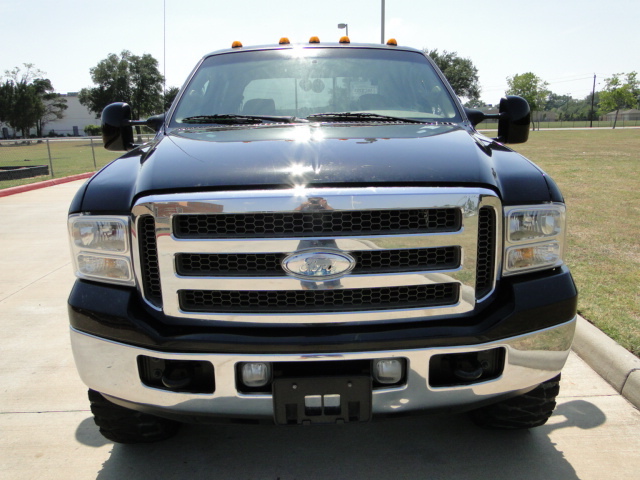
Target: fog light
255, 374
388, 371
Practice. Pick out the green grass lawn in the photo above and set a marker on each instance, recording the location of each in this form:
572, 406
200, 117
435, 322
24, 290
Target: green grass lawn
598, 172
68, 157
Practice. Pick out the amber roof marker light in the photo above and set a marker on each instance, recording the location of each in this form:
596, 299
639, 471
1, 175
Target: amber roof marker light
393, 42
284, 41
236, 44
345, 39
314, 39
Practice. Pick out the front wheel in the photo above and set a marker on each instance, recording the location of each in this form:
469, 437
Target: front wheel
529, 410
123, 425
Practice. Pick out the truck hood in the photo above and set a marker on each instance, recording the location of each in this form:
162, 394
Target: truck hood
279, 156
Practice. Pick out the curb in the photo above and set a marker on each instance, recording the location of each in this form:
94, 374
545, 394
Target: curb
47, 183
609, 359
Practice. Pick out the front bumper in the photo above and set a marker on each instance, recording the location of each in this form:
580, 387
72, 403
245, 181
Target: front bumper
112, 368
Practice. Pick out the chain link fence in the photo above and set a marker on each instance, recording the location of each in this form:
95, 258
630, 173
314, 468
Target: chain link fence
34, 160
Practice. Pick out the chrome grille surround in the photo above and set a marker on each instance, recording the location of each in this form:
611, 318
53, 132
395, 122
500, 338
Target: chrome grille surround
164, 208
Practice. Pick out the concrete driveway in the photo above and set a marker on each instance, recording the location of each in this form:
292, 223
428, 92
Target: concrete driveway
47, 431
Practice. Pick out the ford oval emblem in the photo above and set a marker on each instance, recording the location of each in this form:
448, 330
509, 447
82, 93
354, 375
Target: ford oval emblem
318, 265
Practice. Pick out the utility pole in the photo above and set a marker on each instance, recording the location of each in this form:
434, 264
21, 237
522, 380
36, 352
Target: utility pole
382, 24
593, 97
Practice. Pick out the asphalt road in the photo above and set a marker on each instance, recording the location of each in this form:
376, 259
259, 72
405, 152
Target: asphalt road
47, 431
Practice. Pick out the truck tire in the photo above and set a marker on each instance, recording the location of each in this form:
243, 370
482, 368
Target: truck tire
122, 425
529, 410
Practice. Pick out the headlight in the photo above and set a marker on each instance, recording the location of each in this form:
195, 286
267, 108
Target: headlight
100, 248
535, 238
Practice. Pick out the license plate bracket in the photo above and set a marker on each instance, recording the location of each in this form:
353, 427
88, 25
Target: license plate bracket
322, 400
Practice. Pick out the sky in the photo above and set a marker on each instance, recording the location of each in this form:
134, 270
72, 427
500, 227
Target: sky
564, 42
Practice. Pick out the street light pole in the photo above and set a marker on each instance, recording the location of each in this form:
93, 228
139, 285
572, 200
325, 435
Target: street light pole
382, 24
593, 97
345, 26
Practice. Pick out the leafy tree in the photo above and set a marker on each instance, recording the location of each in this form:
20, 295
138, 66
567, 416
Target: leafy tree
53, 104
6, 101
461, 74
555, 101
618, 94
169, 97
128, 78
530, 87
27, 100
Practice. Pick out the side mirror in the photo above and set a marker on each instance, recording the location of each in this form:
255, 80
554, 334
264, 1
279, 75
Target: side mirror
513, 120
117, 126
117, 132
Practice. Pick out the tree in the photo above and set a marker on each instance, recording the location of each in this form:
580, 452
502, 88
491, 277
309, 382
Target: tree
169, 97
53, 104
28, 100
619, 94
128, 78
530, 87
461, 74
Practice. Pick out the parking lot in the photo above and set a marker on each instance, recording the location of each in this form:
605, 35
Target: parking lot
47, 431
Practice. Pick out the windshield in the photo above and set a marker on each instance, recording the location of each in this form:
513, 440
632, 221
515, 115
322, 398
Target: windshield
303, 82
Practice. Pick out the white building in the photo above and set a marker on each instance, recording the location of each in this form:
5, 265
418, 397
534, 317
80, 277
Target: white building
76, 117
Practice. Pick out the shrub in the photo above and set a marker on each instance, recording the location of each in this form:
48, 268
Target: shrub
93, 130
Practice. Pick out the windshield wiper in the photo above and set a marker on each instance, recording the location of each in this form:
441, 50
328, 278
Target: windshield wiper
347, 116
231, 119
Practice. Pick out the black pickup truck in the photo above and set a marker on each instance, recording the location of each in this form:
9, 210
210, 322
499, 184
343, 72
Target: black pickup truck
318, 234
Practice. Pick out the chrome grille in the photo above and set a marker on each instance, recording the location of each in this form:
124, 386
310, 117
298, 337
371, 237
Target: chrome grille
217, 257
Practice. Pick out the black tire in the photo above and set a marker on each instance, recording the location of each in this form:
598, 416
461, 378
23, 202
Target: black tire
123, 425
529, 410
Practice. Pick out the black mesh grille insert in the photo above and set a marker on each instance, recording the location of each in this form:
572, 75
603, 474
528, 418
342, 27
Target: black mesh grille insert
317, 223
486, 251
269, 264
149, 260
295, 301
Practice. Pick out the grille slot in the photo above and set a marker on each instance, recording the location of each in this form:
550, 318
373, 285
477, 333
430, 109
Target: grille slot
314, 223
367, 261
149, 260
343, 300
486, 251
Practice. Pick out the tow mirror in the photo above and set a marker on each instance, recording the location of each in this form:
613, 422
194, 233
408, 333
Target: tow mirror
513, 120
117, 132
117, 126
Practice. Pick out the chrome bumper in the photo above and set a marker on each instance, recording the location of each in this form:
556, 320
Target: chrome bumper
111, 368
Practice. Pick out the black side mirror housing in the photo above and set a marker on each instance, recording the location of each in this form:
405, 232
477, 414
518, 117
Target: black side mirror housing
513, 120
117, 131
117, 126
